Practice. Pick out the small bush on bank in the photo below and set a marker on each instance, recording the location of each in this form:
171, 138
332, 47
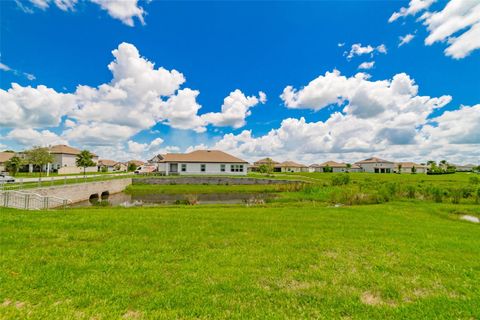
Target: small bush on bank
411, 192
340, 179
436, 194
474, 180
456, 195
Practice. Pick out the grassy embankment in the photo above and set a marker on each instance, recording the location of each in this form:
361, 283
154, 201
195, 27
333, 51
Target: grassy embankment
350, 189
405, 260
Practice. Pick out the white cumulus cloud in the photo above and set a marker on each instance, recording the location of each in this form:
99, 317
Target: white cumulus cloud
366, 65
358, 49
235, 109
457, 24
123, 10
405, 39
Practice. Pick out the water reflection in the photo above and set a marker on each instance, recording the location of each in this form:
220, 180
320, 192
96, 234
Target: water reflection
123, 199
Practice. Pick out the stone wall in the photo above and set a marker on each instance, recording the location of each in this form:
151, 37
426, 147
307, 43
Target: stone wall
210, 180
82, 191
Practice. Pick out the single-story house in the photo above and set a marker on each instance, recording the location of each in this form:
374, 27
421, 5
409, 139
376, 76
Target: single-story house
408, 167
4, 157
108, 165
376, 165
137, 163
205, 162
121, 166
290, 166
333, 166
65, 160
465, 167
265, 161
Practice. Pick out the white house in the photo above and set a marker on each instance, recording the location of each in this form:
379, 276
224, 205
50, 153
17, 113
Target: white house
408, 167
376, 165
204, 162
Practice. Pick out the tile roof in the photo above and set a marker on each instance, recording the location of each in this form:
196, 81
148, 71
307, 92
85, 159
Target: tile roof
410, 165
265, 161
106, 162
211, 156
64, 149
373, 160
5, 156
137, 162
291, 164
333, 164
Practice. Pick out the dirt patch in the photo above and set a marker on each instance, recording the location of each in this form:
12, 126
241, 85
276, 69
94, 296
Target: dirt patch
131, 314
371, 299
6, 303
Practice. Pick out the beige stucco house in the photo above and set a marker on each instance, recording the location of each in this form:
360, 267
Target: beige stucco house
408, 167
4, 157
290, 166
376, 165
335, 167
65, 157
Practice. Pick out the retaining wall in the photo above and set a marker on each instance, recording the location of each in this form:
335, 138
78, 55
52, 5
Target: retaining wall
211, 181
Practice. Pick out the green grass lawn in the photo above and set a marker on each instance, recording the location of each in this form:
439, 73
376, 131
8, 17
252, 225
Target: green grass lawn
408, 260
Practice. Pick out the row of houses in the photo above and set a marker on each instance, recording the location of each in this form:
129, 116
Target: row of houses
373, 165
64, 161
216, 162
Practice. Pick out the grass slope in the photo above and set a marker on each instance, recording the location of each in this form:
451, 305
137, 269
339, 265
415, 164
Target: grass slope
396, 260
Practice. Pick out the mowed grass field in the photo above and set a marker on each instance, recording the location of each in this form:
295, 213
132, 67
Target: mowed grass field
405, 260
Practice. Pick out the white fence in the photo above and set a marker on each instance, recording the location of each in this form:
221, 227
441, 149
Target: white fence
30, 201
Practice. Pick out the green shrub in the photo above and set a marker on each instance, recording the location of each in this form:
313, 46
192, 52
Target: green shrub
340, 179
474, 180
436, 194
456, 195
411, 191
350, 196
477, 196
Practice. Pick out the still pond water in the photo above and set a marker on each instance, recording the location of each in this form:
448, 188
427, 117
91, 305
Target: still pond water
129, 200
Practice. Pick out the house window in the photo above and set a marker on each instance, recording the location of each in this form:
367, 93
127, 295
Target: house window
202, 167
222, 168
236, 168
184, 167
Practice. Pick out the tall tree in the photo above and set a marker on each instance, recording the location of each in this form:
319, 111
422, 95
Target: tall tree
84, 160
39, 157
13, 165
349, 166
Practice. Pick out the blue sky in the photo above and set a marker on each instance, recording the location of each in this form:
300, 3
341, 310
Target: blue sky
251, 46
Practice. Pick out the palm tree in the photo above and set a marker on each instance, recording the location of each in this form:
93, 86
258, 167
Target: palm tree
84, 160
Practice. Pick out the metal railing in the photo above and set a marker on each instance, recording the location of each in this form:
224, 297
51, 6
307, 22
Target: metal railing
26, 183
30, 201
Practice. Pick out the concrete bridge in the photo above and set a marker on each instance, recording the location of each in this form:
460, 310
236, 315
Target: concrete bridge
84, 191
